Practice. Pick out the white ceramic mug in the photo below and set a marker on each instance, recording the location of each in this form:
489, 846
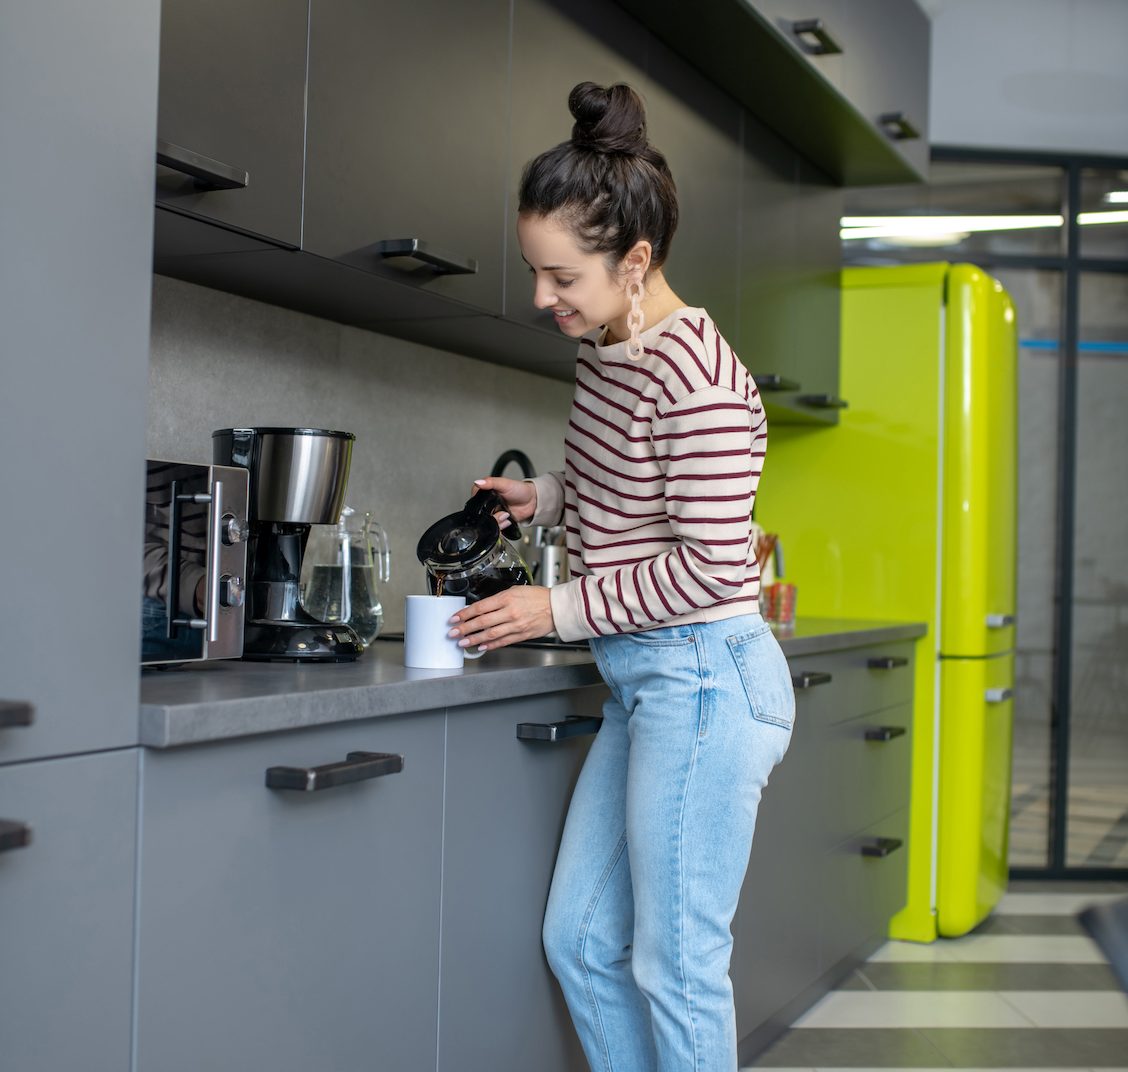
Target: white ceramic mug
426, 625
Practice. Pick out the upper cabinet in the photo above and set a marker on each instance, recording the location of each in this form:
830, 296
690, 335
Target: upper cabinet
845, 83
406, 142
231, 120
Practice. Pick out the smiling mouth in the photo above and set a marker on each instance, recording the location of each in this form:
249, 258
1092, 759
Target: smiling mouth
563, 314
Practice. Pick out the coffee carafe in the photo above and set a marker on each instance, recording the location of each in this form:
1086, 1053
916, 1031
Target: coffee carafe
298, 478
468, 554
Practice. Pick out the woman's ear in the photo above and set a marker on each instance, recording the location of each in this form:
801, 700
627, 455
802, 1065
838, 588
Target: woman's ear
637, 260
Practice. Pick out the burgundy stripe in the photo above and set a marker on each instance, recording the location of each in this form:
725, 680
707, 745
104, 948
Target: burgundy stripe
686, 519
710, 498
613, 532
634, 479
658, 588
610, 424
607, 447
587, 342
603, 596
587, 606
677, 587
639, 370
664, 542
619, 385
739, 430
641, 599
692, 356
602, 507
711, 408
743, 475
587, 478
623, 602
699, 331
692, 574
717, 345
645, 419
700, 454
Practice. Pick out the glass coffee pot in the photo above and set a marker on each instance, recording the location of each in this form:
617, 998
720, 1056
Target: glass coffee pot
343, 568
468, 554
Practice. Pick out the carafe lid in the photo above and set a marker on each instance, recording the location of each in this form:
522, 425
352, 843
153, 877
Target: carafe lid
462, 538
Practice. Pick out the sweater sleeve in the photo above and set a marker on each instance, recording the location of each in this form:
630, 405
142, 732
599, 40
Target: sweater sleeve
710, 446
550, 499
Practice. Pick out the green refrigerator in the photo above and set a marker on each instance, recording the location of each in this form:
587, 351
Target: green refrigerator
906, 509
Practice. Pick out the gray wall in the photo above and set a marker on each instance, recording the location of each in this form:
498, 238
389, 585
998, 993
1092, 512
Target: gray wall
1030, 74
427, 422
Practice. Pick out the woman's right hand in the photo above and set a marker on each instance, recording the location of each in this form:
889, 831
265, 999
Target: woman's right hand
519, 495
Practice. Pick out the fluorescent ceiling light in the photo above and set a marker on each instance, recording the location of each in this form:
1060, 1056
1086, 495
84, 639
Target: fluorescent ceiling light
1116, 197
944, 230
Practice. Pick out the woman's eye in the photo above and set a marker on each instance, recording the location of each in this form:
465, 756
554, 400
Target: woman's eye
564, 284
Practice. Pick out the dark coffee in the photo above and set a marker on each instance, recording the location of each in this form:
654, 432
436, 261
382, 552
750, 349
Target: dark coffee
488, 581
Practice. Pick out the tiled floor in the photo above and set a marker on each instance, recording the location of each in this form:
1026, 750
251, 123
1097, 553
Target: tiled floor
1026, 990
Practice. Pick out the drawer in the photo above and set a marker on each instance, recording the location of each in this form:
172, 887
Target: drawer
865, 879
862, 680
867, 768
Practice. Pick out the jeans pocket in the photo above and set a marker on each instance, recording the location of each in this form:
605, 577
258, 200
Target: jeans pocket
764, 672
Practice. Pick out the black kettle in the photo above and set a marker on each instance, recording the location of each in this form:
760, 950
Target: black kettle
468, 554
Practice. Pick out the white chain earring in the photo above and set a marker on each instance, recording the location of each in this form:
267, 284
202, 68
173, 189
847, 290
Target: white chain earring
635, 320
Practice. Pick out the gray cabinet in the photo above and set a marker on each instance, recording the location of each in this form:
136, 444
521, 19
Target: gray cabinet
287, 929
829, 859
406, 140
231, 111
789, 280
506, 798
66, 993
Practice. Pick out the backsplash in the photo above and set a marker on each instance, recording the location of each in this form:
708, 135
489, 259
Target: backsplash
427, 422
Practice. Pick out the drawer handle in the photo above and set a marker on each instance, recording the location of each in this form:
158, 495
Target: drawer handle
885, 733
823, 401
16, 713
881, 846
810, 678
442, 263
822, 44
999, 695
559, 731
887, 662
207, 172
999, 621
14, 835
771, 382
357, 767
897, 126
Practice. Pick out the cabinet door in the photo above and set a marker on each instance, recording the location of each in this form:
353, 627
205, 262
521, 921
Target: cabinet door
697, 127
553, 50
885, 72
407, 140
284, 929
813, 28
66, 992
775, 932
232, 89
505, 805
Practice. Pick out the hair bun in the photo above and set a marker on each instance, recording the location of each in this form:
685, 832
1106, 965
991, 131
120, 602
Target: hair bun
611, 120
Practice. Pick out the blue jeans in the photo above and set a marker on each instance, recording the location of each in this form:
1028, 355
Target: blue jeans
657, 840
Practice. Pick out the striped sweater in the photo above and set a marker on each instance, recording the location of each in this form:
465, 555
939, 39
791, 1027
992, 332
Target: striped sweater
662, 458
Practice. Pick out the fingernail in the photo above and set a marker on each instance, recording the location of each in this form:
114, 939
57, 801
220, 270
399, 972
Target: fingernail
453, 619
464, 643
453, 633
483, 647
480, 483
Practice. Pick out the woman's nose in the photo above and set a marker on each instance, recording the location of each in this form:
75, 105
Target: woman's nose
543, 294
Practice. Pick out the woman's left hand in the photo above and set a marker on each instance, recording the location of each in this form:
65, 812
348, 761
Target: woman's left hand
522, 612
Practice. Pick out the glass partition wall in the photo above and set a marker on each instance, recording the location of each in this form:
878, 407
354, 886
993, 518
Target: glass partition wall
1054, 231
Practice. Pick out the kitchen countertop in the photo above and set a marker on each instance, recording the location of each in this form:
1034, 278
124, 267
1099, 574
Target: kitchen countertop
218, 700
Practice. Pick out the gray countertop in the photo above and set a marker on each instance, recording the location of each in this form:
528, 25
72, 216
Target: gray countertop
214, 701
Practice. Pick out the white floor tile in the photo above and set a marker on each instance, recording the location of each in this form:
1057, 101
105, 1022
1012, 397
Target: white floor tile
994, 949
1050, 904
1071, 1008
912, 1008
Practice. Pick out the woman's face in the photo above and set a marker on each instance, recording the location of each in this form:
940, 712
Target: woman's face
577, 286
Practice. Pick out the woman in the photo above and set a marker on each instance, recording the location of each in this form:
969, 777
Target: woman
663, 452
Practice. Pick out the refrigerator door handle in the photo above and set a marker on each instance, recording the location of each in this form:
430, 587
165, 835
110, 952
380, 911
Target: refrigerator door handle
999, 695
999, 621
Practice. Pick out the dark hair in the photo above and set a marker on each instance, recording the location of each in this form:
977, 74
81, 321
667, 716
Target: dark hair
611, 187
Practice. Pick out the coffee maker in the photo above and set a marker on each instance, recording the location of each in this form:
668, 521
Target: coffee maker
297, 478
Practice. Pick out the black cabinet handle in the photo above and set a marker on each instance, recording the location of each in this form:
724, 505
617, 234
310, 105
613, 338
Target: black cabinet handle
559, 731
887, 662
809, 678
16, 713
1000, 621
885, 733
771, 382
821, 43
824, 401
416, 248
207, 172
881, 846
357, 767
13, 835
897, 126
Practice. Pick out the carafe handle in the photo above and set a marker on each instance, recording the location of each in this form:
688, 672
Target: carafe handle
378, 539
487, 502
